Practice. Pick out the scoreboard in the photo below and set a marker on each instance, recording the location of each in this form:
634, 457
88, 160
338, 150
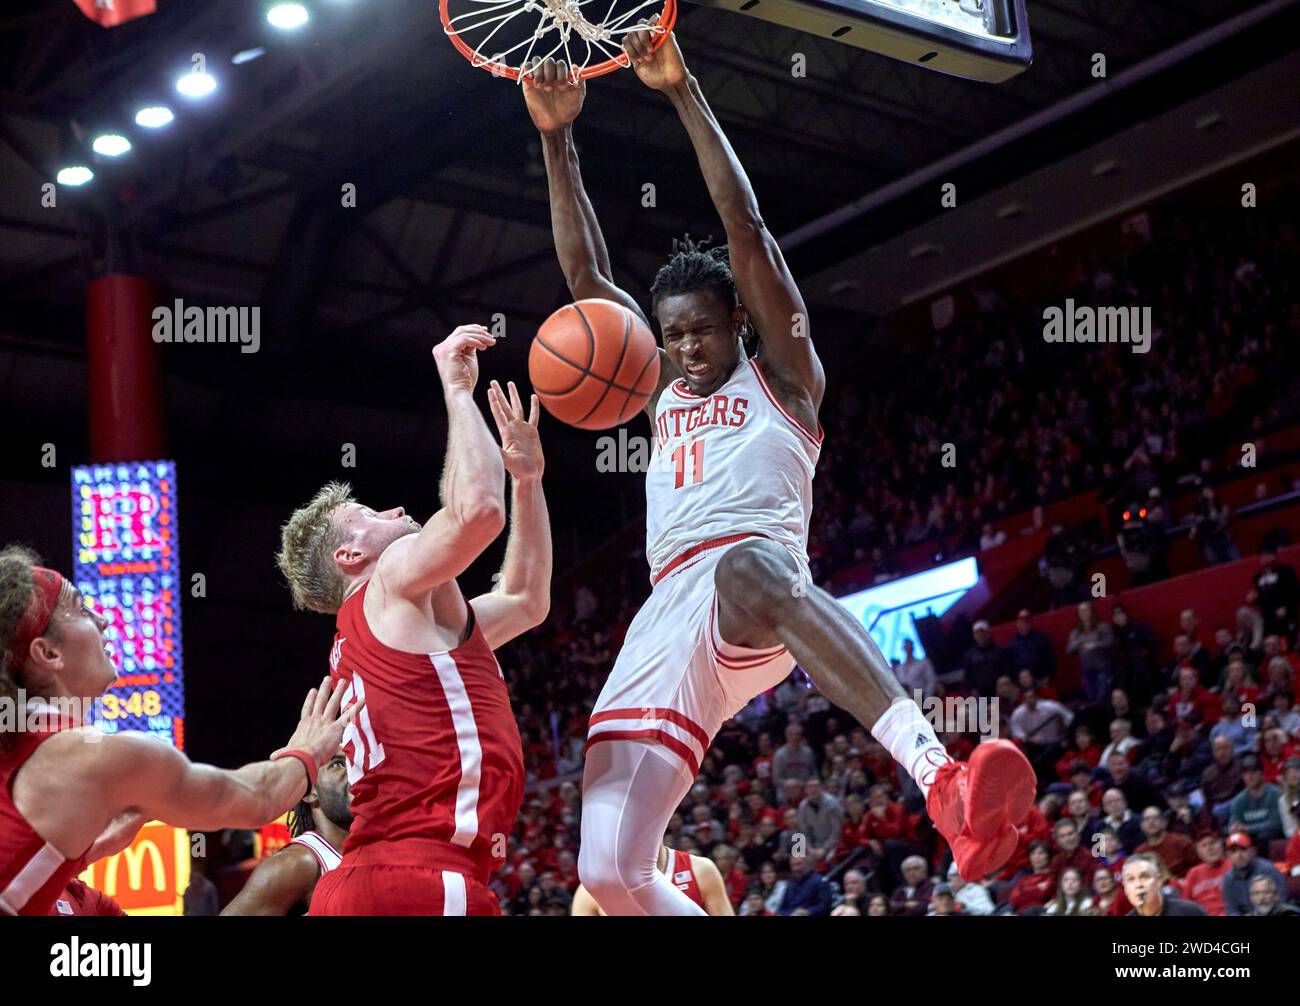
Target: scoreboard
126, 564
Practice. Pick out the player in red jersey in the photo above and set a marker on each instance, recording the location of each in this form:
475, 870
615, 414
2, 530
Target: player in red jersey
434, 761
69, 794
283, 883
78, 898
733, 606
697, 877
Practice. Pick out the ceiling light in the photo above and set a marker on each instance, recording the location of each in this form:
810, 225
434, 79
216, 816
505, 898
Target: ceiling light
196, 84
154, 116
75, 174
287, 16
110, 145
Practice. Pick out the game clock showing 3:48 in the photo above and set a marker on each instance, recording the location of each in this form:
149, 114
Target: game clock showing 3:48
126, 564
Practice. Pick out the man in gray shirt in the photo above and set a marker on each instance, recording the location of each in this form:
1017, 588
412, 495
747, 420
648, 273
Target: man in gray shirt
794, 759
820, 819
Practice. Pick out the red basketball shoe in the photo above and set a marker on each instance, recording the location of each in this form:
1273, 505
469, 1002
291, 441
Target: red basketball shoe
977, 804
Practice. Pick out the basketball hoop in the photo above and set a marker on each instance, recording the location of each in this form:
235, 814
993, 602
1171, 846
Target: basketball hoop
498, 35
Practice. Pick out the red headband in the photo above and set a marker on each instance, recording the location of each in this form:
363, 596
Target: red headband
47, 583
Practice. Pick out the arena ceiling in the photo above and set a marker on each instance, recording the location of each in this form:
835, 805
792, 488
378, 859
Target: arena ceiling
239, 203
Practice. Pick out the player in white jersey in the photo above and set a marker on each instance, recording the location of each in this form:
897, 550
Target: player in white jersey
283, 883
728, 495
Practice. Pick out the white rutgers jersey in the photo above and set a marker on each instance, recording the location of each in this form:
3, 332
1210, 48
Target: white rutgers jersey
326, 855
736, 461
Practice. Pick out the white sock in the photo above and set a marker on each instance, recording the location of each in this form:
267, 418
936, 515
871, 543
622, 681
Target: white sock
911, 741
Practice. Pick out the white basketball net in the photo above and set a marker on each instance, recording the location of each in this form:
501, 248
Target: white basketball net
601, 39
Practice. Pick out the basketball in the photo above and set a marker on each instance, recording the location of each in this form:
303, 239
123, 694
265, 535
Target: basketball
593, 364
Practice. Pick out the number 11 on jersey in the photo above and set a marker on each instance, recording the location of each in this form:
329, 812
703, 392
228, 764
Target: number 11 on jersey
697, 463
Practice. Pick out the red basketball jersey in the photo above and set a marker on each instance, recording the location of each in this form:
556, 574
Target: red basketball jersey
435, 763
682, 874
33, 874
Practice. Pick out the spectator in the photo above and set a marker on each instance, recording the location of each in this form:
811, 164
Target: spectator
1282, 704
1137, 791
770, 888
1266, 900
1122, 740
973, 897
912, 896
1142, 887
1190, 653
1175, 851
1039, 726
915, 674
984, 662
1210, 529
878, 905
1256, 810
1192, 702
1135, 655
1094, 643
1107, 896
794, 759
1221, 781
1204, 881
1121, 820
1031, 650
942, 901
753, 905
1275, 751
820, 818
807, 892
1232, 727
1071, 896
1279, 594
1289, 801
1245, 867
1079, 809
1033, 889
201, 895
1184, 818
1070, 852
1085, 750
1063, 563
855, 894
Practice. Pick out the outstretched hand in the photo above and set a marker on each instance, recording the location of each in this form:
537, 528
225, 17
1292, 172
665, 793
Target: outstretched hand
659, 68
553, 93
321, 726
521, 447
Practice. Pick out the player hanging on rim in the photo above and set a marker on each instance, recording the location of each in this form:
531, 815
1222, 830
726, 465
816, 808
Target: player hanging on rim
282, 883
733, 607
434, 762
69, 794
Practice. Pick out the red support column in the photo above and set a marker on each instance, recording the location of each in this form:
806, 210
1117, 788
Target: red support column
124, 370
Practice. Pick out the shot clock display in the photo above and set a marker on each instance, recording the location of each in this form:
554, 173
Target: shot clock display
127, 566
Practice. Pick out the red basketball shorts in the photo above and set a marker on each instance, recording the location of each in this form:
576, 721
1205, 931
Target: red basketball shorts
401, 890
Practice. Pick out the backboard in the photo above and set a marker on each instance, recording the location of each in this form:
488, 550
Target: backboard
980, 39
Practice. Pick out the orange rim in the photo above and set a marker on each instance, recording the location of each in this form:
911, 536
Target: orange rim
667, 19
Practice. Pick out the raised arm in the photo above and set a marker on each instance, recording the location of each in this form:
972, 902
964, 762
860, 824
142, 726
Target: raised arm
473, 482
522, 597
554, 100
767, 290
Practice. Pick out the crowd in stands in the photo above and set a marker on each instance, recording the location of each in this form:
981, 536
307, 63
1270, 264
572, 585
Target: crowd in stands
1032, 422
1195, 759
